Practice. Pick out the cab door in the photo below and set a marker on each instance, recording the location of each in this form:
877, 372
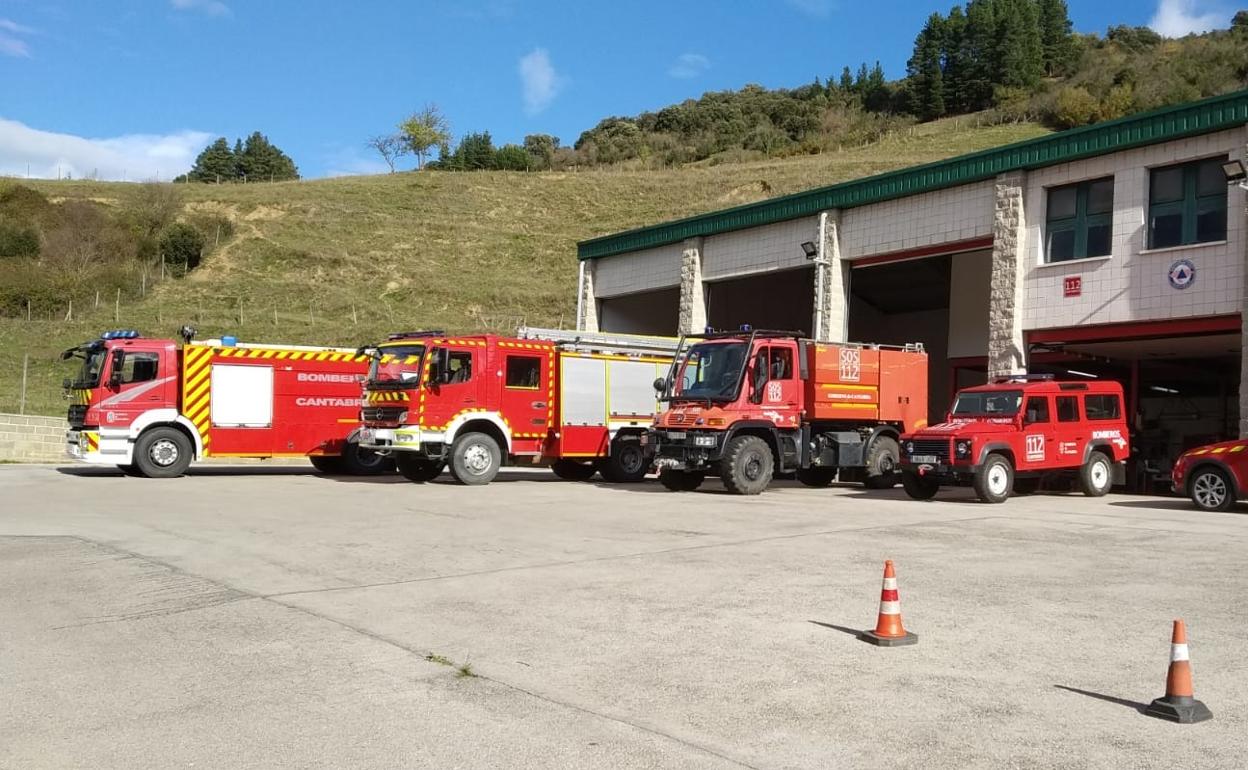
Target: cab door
134, 383
453, 386
778, 387
1039, 450
526, 394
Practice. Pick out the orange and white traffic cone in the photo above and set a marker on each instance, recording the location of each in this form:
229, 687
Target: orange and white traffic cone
1178, 705
888, 629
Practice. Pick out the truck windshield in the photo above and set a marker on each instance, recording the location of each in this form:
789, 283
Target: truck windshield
995, 403
710, 370
396, 364
92, 364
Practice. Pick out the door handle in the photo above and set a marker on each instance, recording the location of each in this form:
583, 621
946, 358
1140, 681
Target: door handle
539, 404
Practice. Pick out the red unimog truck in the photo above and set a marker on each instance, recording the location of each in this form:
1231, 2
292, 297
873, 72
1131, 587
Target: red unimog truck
1010, 434
578, 402
153, 406
748, 404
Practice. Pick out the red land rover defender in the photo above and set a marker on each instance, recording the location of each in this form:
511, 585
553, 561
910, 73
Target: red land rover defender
1006, 436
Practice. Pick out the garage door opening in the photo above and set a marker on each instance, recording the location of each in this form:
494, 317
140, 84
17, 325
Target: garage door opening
782, 300
650, 312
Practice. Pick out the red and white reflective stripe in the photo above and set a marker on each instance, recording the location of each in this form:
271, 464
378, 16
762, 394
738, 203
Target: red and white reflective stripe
890, 584
890, 608
890, 601
1178, 652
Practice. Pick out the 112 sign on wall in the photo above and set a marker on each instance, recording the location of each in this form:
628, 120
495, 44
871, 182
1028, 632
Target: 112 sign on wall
1072, 286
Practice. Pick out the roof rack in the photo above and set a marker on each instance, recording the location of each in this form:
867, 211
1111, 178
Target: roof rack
415, 335
1023, 378
636, 343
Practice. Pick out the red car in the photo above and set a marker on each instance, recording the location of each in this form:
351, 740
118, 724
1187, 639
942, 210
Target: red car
1005, 437
1214, 476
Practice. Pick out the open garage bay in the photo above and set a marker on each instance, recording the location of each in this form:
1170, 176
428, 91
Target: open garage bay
244, 619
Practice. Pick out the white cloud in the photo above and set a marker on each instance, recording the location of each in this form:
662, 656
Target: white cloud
1176, 18
352, 162
11, 42
817, 8
209, 7
133, 156
689, 65
539, 81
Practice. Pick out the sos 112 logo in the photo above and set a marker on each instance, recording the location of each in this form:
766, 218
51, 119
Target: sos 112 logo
1182, 274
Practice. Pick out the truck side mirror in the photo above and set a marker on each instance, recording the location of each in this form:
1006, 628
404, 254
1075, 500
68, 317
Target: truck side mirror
440, 372
660, 384
759, 381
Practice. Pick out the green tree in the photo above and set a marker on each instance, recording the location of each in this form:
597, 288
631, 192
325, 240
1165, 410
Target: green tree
475, 152
953, 61
924, 70
1056, 42
847, 80
182, 246
18, 241
1074, 107
215, 164
512, 157
979, 54
261, 160
1019, 54
423, 130
541, 147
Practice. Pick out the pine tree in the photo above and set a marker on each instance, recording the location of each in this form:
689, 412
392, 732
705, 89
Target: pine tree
259, 160
847, 80
215, 164
953, 61
1020, 58
1055, 38
979, 54
924, 69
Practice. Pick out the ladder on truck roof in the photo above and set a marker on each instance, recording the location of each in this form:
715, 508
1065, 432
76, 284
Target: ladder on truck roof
591, 341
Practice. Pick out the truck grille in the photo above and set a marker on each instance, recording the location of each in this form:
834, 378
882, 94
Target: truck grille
383, 413
937, 447
77, 415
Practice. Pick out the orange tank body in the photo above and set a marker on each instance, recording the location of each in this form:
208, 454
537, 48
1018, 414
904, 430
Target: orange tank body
862, 383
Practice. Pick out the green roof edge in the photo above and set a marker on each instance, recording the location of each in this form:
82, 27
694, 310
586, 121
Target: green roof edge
1161, 125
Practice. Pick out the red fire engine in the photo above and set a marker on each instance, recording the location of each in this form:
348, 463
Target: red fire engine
745, 405
152, 406
578, 402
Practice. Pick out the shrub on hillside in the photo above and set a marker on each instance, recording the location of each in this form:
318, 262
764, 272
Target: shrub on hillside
1073, 107
18, 241
182, 246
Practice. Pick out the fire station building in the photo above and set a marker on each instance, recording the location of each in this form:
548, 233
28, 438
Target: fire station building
1116, 250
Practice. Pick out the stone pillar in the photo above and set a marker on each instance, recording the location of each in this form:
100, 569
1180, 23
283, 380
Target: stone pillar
587, 303
1007, 349
692, 297
831, 321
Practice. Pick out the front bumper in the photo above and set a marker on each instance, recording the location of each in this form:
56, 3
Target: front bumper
85, 446
685, 450
406, 438
943, 472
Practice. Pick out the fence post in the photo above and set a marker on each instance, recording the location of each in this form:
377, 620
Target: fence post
117, 307
354, 318
97, 299
69, 314
21, 405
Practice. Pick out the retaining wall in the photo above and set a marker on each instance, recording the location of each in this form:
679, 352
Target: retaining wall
32, 438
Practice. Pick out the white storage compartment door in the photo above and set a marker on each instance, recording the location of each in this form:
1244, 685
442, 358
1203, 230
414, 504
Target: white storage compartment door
242, 396
584, 385
632, 388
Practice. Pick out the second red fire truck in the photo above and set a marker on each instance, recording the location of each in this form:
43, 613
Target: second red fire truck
575, 401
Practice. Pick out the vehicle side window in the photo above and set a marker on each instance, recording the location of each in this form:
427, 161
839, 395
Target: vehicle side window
1037, 409
523, 372
781, 364
460, 366
1101, 407
139, 367
1067, 409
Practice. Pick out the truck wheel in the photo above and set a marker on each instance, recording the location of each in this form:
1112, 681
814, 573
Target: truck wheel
571, 470
919, 487
1096, 475
162, 453
1211, 490
475, 459
627, 463
816, 477
994, 479
331, 464
747, 465
416, 468
681, 481
881, 463
358, 461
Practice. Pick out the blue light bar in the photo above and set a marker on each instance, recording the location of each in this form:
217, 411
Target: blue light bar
746, 328
416, 335
120, 334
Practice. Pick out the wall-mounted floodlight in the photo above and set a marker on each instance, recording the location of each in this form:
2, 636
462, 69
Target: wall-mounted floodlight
810, 249
1235, 171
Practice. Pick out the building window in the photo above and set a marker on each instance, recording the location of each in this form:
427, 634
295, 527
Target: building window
1079, 220
523, 372
1187, 204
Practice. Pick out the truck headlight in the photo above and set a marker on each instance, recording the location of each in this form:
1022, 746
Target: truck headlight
909, 447
962, 448
403, 417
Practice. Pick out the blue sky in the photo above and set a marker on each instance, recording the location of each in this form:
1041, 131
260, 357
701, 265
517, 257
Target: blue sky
136, 87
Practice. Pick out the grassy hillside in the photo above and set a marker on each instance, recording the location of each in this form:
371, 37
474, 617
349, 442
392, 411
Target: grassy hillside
342, 261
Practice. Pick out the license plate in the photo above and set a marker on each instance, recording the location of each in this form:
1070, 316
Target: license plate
704, 441
924, 459
677, 435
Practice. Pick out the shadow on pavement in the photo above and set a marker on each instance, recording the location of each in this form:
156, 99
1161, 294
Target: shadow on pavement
843, 629
1140, 707
201, 470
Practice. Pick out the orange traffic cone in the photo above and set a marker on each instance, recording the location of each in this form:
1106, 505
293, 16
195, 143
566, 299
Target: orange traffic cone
888, 629
1178, 705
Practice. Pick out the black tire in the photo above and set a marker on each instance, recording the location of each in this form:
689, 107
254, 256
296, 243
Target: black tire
994, 479
162, 453
475, 459
1211, 489
747, 465
571, 470
1027, 486
1097, 475
919, 487
681, 481
881, 463
419, 469
627, 463
358, 461
816, 477
331, 464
